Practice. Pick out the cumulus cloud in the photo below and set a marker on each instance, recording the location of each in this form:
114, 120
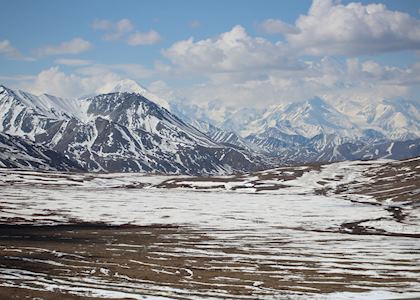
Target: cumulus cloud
232, 51
273, 26
329, 78
11, 52
353, 29
73, 46
255, 71
56, 82
371, 72
144, 38
239, 69
83, 80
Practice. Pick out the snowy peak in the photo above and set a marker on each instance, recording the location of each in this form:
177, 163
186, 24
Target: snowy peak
136, 112
130, 86
126, 85
315, 111
396, 119
307, 119
45, 105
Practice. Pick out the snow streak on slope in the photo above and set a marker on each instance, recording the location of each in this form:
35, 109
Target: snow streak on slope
16, 152
313, 130
125, 131
306, 119
118, 132
399, 120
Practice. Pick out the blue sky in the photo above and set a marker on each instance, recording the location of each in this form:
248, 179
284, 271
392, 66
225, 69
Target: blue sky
44, 42
51, 22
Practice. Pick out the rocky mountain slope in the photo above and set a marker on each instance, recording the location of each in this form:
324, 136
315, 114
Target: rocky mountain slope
119, 131
16, 152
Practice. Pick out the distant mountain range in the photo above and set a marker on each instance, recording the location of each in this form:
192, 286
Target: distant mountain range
316, 131
128, 129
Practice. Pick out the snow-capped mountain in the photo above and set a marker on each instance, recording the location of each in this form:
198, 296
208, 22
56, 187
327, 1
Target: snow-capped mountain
128, 129
118, 131
307, 119
197, 117
315, 130
399, 119
130, 86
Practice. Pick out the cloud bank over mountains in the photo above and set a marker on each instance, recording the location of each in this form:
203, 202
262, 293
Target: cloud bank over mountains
334, 51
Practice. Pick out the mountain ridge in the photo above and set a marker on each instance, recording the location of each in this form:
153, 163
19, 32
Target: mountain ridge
124, 131
119, 132
315, 131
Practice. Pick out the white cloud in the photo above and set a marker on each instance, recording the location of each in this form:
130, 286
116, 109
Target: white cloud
74, 46
123, 30
72, 62
124, 25
242, 70
353, 29
144, 38
9, 51
232, 51
272, 26
54, 81
239, 69
163, 68
372, 72
113, 30
161, 89
328, 78
84, 80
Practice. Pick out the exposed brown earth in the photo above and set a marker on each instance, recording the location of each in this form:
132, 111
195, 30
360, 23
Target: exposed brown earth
80, 260
255, 180
397, 181
126, 258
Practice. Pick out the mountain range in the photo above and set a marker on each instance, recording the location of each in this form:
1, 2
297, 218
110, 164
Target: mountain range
126, 128
117, 132
317, 131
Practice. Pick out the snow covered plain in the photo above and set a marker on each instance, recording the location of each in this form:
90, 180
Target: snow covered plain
289, 233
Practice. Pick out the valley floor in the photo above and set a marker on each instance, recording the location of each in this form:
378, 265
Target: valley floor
347, 230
